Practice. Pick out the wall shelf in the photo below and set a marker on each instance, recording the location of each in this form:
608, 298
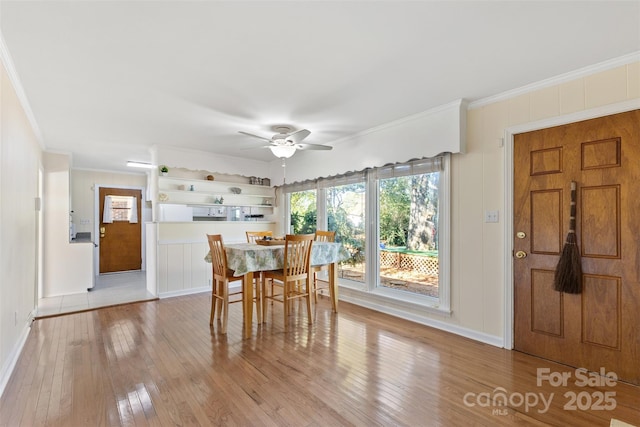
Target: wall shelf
215, 193
213, 205
177, 190
252, 200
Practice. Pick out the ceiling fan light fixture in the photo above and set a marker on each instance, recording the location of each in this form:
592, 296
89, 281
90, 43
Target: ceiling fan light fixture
283, 151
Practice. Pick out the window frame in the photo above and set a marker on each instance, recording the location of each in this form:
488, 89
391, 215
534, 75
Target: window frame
370, 177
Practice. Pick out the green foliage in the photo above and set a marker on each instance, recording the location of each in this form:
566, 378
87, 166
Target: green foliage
395, 208
408, 214
345, 216
408, 211
304, 223
303, 212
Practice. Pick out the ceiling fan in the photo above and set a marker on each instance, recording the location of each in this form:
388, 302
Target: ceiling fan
286, 141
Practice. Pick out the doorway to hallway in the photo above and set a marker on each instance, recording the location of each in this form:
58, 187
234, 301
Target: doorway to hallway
110, 289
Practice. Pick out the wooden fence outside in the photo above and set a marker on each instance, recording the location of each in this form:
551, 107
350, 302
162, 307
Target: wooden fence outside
403, 261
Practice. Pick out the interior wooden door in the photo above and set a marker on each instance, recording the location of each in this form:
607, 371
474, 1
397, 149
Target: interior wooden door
599, 327
121, 241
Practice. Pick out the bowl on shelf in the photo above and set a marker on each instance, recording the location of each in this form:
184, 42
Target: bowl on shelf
235, 190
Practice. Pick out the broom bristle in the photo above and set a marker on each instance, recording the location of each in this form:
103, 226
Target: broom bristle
568, 275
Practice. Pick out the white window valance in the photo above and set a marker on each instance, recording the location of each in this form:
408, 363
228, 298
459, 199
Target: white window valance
415, 167
425, 135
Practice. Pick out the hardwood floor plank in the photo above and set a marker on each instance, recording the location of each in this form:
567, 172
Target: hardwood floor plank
159, 363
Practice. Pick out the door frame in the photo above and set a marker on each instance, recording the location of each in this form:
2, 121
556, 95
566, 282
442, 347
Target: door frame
97, 220
509, 134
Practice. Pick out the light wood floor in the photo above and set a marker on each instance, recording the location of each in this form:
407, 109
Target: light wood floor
158, 363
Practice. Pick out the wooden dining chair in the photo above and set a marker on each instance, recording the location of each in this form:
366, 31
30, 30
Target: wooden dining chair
252, 236
321, 236
222, 276
293, 277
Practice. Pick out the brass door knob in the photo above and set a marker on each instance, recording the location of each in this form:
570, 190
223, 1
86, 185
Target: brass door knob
521, 254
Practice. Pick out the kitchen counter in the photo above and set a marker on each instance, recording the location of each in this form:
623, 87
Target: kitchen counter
82, 238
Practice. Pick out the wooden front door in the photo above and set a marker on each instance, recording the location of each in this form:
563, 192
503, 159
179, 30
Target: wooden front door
121, 241
600, 327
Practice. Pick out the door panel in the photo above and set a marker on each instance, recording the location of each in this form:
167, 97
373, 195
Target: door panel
546, 222
121, 242
601, 314
601, 326
546, 314
600, 209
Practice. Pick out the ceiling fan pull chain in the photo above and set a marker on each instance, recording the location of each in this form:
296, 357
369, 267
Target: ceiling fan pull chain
284, 171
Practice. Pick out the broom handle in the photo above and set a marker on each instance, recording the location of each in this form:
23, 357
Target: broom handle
572, 213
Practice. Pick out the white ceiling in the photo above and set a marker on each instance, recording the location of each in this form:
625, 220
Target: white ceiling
108, 79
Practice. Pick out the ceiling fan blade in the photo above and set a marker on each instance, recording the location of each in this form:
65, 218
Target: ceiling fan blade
256, 148
298, 135
255, 136
303, 146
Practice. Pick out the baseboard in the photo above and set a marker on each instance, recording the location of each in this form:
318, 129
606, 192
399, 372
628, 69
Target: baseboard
493, 340
8, 367
182, 292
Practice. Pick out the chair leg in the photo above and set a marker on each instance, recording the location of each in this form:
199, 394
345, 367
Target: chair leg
225, 307
219, 293
264, 300
291, 302
314, 288
214, 303
258, 299
285, 309
308, 298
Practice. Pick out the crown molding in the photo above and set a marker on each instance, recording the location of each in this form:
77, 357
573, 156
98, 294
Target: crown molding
562, 78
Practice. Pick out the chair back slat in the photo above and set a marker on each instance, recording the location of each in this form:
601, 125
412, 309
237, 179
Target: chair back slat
325, 236
218, 255
297, 254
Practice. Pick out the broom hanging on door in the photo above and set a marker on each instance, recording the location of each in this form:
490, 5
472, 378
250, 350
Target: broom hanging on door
568, 276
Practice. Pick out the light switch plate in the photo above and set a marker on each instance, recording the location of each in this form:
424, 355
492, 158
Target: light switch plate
491, 216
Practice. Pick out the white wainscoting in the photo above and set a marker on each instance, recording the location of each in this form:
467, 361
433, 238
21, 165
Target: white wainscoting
181, 268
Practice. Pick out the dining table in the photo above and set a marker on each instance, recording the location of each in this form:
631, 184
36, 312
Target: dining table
245, 259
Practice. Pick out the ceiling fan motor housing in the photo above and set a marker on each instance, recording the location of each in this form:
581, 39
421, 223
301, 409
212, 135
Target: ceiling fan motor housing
281, 137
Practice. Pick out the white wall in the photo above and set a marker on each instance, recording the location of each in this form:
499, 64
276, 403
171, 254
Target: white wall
20, 155
201, 160
68, 267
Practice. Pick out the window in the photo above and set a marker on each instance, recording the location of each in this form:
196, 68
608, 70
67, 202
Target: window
393, 222
346, 216
303, 212
120, 208
408, 231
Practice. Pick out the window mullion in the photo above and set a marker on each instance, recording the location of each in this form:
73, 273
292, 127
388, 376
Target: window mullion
321, 208
372, 237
